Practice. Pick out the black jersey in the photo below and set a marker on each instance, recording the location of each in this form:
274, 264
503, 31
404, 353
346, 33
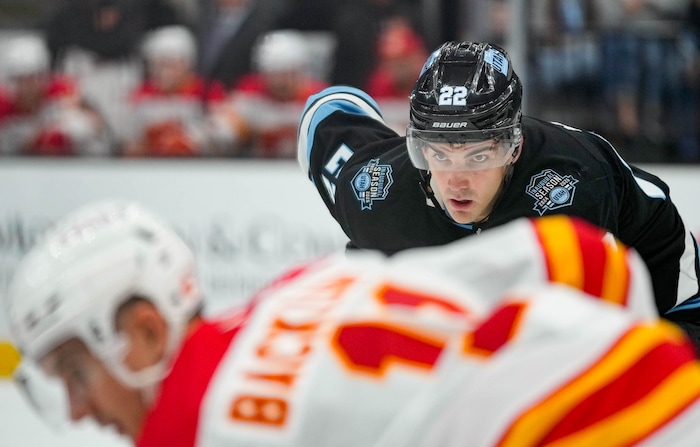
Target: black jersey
361, 169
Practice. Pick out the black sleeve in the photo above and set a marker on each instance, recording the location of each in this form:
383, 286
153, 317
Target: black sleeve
336, 125
649, 221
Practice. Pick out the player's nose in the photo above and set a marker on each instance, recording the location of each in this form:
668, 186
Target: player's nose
78, 405
459, 179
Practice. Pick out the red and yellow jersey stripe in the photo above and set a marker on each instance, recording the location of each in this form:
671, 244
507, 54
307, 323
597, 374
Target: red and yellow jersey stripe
648, 377
579, 255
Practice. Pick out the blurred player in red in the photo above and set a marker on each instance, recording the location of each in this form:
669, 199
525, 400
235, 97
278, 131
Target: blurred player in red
456, 345
175, 112
272, 98
44, 114
401, 54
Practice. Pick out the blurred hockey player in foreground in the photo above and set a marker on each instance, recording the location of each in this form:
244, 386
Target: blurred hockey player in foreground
555, 344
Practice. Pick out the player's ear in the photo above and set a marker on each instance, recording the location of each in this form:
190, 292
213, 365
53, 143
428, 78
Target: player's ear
146, 332
516, 153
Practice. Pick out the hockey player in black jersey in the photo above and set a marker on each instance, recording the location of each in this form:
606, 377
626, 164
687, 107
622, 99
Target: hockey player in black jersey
470, 161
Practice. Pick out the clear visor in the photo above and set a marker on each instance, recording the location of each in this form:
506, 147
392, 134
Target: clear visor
45, 394
62, 378
468, 150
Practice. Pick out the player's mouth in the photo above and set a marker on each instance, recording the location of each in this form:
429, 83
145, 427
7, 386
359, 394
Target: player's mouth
461, 204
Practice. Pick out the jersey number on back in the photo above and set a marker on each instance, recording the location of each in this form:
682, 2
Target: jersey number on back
374, 346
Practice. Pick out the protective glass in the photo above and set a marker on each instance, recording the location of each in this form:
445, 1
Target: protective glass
468, 150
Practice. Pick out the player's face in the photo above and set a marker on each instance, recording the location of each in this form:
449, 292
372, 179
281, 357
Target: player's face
469, 196
93, 391
169, 74
285, 84
29, 88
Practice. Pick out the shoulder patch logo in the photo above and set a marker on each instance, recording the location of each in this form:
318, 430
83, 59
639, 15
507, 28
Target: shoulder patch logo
551, 191
372, 183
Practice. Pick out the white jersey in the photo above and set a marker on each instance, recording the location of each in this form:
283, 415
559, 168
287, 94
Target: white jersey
456, 346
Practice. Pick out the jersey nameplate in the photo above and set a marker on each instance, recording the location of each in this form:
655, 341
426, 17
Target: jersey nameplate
372, 183
551, 190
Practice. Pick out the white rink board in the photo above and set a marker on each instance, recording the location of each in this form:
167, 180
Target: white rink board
247, 221
684, 182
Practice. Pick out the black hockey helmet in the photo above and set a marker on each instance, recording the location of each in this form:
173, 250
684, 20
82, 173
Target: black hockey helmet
466, 92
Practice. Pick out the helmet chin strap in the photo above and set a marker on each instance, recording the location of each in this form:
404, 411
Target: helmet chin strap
510, 167
148, 379
426, 186
502, 189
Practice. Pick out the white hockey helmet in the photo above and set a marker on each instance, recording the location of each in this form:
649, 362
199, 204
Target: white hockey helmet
282, 50
72, 283
25, 55
170, 42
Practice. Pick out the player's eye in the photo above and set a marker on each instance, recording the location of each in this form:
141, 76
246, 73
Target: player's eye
439, 157
480, 158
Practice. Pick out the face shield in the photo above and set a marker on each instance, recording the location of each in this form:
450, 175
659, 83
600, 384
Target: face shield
464, 150
64, 377
45, 394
